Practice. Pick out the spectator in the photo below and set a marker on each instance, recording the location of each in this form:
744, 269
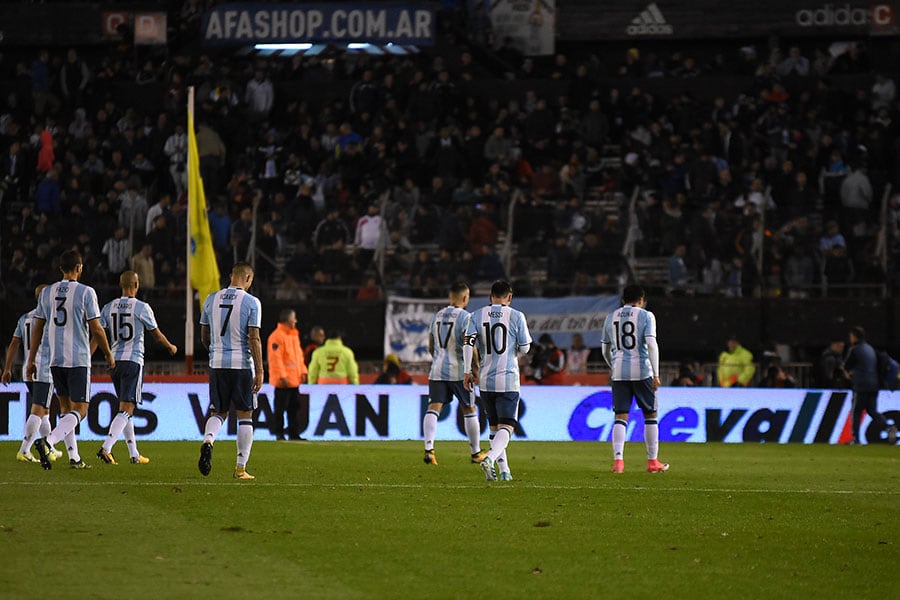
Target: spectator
74, 77
47, 196
776, 378
679, 279
831, 238
159, 209
736, 368
548, 362
794, 64
117, 250
828, 368
577, 355
392, 372
142, 264
838, 270
176, 149
368, 233
259, 96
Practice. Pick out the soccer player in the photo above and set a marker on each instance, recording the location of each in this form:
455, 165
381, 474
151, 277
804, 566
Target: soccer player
631, 351
229, 328
126, 319
70, 313
451, 361
499, 333
333, 362
40, 392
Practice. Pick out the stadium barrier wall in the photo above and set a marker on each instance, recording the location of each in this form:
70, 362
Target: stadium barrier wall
580, 413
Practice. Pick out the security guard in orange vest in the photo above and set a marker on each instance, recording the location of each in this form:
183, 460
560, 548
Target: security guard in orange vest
333, 362
287, 370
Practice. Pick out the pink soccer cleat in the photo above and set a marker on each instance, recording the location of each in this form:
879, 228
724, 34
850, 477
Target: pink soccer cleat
618, 466
654, 466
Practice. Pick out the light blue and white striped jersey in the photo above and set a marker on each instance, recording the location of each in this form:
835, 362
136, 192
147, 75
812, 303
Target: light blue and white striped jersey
67, 306
448, 335
229, 314
499, 332
24, 327
626, 330
126, 319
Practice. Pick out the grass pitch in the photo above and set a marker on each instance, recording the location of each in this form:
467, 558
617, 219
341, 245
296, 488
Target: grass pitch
370, 520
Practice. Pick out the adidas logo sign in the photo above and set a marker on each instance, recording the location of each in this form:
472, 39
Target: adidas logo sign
650, 22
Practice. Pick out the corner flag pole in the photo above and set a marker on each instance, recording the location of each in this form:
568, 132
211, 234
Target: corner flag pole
188, 289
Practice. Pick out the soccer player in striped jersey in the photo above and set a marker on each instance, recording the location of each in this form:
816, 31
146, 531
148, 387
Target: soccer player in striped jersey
126, 319
40, 391
229, 328
70, 313
631, 351
451, 361
499, 334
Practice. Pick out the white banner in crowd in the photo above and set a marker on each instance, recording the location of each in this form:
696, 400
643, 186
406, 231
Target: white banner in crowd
530, 24
407, 321
381, 412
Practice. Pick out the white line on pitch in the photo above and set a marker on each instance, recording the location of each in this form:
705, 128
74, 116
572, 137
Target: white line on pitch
531, 486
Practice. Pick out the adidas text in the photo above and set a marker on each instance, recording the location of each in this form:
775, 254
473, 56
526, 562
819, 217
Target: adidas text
650, 22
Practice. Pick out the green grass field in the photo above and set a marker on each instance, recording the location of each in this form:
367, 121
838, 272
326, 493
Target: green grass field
370, 520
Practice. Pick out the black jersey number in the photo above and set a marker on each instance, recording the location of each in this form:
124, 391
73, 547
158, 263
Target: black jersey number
444, 338
625, 337
62, 315
492, 344
226, 316
122, 328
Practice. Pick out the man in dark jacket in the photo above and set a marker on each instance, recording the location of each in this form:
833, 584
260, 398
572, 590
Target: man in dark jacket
861, 364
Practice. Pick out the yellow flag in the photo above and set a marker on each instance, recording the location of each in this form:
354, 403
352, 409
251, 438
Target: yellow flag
204, 269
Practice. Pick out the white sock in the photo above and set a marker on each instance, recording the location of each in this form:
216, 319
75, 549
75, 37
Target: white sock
213, 425
618, 439
66, 424
130, 440
244, 442
651, 437
72, 446
46, 428
470, 420
502, 463
498, 444
429, 428
32, 427
115, 430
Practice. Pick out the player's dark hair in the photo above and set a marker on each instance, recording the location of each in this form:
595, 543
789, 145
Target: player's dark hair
859, 333
69, 260
632, 293
501, 289
458, 288
285, 315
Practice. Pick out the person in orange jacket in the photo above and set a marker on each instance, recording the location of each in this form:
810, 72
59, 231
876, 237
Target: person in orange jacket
287, 370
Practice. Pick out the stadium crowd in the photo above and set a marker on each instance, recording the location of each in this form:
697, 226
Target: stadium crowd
418, 168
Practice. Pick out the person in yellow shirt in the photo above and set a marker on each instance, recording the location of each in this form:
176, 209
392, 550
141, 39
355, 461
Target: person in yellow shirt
333, 362
736, 366
287, 370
